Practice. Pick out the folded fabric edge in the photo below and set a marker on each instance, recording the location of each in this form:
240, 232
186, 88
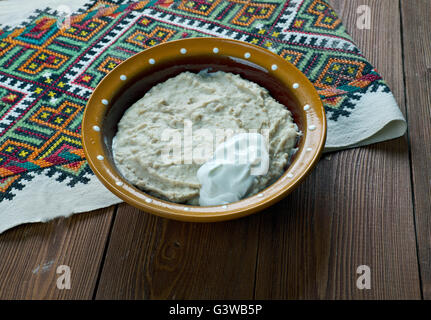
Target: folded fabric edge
34, 202
392, 130
377, 118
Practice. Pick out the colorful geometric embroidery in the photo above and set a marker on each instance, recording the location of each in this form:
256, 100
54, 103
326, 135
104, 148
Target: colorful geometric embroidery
47, 74
325, 16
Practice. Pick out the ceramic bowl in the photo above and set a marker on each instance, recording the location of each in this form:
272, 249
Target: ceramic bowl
129, 81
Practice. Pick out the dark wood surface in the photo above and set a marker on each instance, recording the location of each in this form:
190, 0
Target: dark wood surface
366, 206
417, 77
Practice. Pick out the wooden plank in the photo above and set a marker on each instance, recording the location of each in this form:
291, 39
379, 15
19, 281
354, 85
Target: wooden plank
30, 255
356, 207
417, 53
153, 258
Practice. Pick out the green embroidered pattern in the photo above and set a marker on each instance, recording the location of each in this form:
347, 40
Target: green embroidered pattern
47, 74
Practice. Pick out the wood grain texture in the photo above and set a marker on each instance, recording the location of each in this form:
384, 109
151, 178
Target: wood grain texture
153, 258
356, 207
417, 61
30, 255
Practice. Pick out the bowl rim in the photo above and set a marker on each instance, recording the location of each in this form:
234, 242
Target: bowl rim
314, 132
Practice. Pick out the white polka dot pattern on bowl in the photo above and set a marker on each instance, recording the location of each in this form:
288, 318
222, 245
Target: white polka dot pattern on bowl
247, 55
105, 102
119, 183
151, 61
216, 50
306, 107
183, 50
100, 157
312, 127
123, 77
295, 86
274, 67
96, 128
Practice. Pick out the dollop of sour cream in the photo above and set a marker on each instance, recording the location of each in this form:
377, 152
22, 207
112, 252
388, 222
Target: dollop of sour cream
228, 176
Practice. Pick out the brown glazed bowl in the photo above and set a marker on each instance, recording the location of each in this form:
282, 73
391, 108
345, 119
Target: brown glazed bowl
130, 80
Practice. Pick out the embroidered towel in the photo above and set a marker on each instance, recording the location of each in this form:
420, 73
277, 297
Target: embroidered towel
49, 68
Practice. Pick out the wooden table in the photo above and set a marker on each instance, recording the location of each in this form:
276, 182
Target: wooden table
366, 206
